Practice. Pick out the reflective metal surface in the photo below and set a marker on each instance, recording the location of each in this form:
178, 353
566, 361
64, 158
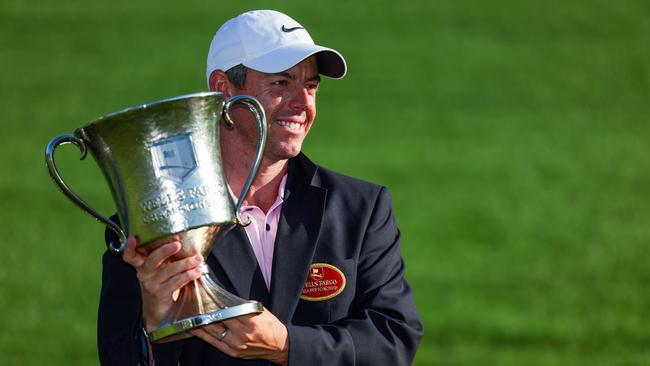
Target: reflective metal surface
162, 162
207, 299
180, 329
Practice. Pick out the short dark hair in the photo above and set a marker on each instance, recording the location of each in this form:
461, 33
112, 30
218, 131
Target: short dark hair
237, 75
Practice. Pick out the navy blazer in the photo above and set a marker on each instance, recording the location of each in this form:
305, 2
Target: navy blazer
326, 218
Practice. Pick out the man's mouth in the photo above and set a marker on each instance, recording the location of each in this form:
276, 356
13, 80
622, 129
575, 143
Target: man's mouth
293, 126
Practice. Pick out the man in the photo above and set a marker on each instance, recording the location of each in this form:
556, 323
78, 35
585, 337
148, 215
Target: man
307, 223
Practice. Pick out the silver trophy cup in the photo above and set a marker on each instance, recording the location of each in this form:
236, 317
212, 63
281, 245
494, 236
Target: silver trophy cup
162, 162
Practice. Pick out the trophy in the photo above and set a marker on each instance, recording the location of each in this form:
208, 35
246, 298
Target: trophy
162, 162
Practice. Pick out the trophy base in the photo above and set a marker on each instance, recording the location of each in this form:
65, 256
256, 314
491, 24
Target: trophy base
181, 328
199, 303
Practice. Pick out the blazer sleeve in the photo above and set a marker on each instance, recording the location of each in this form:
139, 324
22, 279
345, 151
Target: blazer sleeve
383, 328
119, 317
120, 340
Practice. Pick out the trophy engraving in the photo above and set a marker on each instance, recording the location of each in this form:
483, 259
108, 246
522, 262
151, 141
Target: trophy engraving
173, 157
162, 162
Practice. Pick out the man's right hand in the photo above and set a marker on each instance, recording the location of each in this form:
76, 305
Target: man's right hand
160, 277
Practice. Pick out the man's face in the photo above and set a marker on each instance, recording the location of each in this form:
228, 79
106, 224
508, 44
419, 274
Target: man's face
289, 100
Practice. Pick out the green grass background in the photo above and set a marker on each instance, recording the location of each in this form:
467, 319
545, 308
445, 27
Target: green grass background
514, 136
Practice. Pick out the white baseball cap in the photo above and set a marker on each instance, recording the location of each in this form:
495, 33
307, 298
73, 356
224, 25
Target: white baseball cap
271, 42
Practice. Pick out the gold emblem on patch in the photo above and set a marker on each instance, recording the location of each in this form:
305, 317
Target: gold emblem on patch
323, 282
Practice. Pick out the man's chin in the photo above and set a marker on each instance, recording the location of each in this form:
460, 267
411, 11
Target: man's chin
287, 154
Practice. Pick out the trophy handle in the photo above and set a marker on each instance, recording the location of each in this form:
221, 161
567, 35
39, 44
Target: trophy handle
54, 173
256, 108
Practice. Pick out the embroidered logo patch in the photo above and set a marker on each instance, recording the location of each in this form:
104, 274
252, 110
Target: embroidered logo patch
323, 282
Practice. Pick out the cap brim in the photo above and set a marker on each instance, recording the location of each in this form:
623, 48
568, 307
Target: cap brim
330, 62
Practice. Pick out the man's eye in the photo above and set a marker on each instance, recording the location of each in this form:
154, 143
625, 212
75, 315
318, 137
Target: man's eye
280, 82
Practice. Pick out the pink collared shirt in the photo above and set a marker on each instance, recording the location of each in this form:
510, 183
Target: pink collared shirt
262, 230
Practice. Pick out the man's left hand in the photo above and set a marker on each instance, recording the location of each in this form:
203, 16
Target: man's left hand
250, 336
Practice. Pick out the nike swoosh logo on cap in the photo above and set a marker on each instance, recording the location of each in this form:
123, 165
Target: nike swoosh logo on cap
287, 30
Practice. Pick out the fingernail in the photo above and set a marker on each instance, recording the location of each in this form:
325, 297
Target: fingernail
198, 258
174, 246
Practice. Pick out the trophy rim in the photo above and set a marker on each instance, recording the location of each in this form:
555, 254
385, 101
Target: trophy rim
155, 103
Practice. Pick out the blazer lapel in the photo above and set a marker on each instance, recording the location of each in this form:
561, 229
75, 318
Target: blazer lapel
235, 256
298, 230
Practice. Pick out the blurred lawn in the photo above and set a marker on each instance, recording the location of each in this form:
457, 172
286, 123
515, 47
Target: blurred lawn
513, 135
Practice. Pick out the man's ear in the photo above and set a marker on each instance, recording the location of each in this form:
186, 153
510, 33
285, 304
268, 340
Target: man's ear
219, 82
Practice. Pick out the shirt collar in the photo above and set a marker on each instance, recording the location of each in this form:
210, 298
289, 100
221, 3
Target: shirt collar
279, 197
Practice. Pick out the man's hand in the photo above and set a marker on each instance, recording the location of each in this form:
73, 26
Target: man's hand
251, 336
159, 277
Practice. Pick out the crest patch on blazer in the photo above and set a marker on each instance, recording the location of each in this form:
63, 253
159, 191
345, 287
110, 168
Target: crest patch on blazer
324, 282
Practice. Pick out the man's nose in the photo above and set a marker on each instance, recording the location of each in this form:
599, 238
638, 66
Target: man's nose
301, 99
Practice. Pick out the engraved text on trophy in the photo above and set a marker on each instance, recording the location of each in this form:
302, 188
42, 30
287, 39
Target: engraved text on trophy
182, 200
